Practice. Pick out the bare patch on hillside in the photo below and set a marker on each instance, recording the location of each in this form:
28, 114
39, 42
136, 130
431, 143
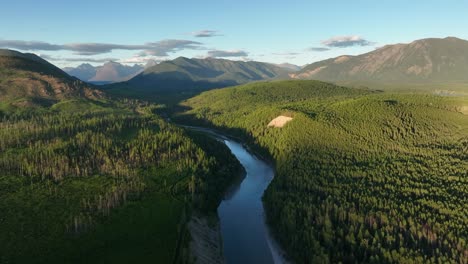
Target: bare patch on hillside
279, 121
463, 110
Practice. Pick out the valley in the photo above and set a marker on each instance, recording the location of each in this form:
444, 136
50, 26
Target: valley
354, 159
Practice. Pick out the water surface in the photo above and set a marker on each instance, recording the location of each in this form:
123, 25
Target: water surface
244, 232
245, 235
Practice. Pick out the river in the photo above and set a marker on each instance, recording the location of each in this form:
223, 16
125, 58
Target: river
244, 232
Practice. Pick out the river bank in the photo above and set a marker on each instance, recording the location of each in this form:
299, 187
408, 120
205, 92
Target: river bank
206, 245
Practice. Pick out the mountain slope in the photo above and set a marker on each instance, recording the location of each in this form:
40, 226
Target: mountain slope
29, 78
110, 72
115, 72
422, 61
181, 78
290, 67
212, 70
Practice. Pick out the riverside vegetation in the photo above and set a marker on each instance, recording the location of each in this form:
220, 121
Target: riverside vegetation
361, 176
102, 181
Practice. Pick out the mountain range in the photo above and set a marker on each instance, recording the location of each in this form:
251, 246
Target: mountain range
422, 62
190, 76
430, 60
214, 72
109, 72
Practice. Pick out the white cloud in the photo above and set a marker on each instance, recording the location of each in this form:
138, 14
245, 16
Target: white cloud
160, 48
346, 41
319, 49
206, 33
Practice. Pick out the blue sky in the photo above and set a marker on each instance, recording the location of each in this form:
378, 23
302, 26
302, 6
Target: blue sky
300, 32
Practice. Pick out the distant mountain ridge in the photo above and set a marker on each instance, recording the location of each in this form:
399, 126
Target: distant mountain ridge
421, 61
174, 80
109, 72
211, 72
26, 79
83, 72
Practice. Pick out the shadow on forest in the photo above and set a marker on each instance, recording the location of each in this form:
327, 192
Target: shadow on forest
179, 115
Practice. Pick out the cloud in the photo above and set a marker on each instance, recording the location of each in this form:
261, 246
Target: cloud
346, 41
227, 53
80, 59
98, 48
206, 33
161, 48
318, 49
164, 47
131, 60
46, 57
28, 45
286, 53
140, 60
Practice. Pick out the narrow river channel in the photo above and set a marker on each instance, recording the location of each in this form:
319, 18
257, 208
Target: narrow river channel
245, 235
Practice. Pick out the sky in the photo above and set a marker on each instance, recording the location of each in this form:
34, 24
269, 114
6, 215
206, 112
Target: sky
68, 33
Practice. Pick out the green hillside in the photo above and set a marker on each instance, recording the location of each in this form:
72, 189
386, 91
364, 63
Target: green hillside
361, 176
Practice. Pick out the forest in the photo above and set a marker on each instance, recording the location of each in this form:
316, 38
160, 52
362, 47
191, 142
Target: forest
362, 176
82, 179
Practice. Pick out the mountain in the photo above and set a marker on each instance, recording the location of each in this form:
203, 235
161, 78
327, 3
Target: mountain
115, 72
83, 72
110, 72
184, 74
27, 79
178, 79
423, 61
289, 66
150, 63
216, 71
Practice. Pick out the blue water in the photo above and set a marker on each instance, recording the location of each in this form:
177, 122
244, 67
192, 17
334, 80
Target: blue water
242, 219
243, 228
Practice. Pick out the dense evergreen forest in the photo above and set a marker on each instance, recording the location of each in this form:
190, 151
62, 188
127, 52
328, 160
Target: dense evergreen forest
102, 181
362, 176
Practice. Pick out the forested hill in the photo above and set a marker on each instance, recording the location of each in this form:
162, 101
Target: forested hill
26, 79
361, 177
103, 182
428, 61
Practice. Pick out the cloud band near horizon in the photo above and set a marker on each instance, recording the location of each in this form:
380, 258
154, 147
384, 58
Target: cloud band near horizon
160, 48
